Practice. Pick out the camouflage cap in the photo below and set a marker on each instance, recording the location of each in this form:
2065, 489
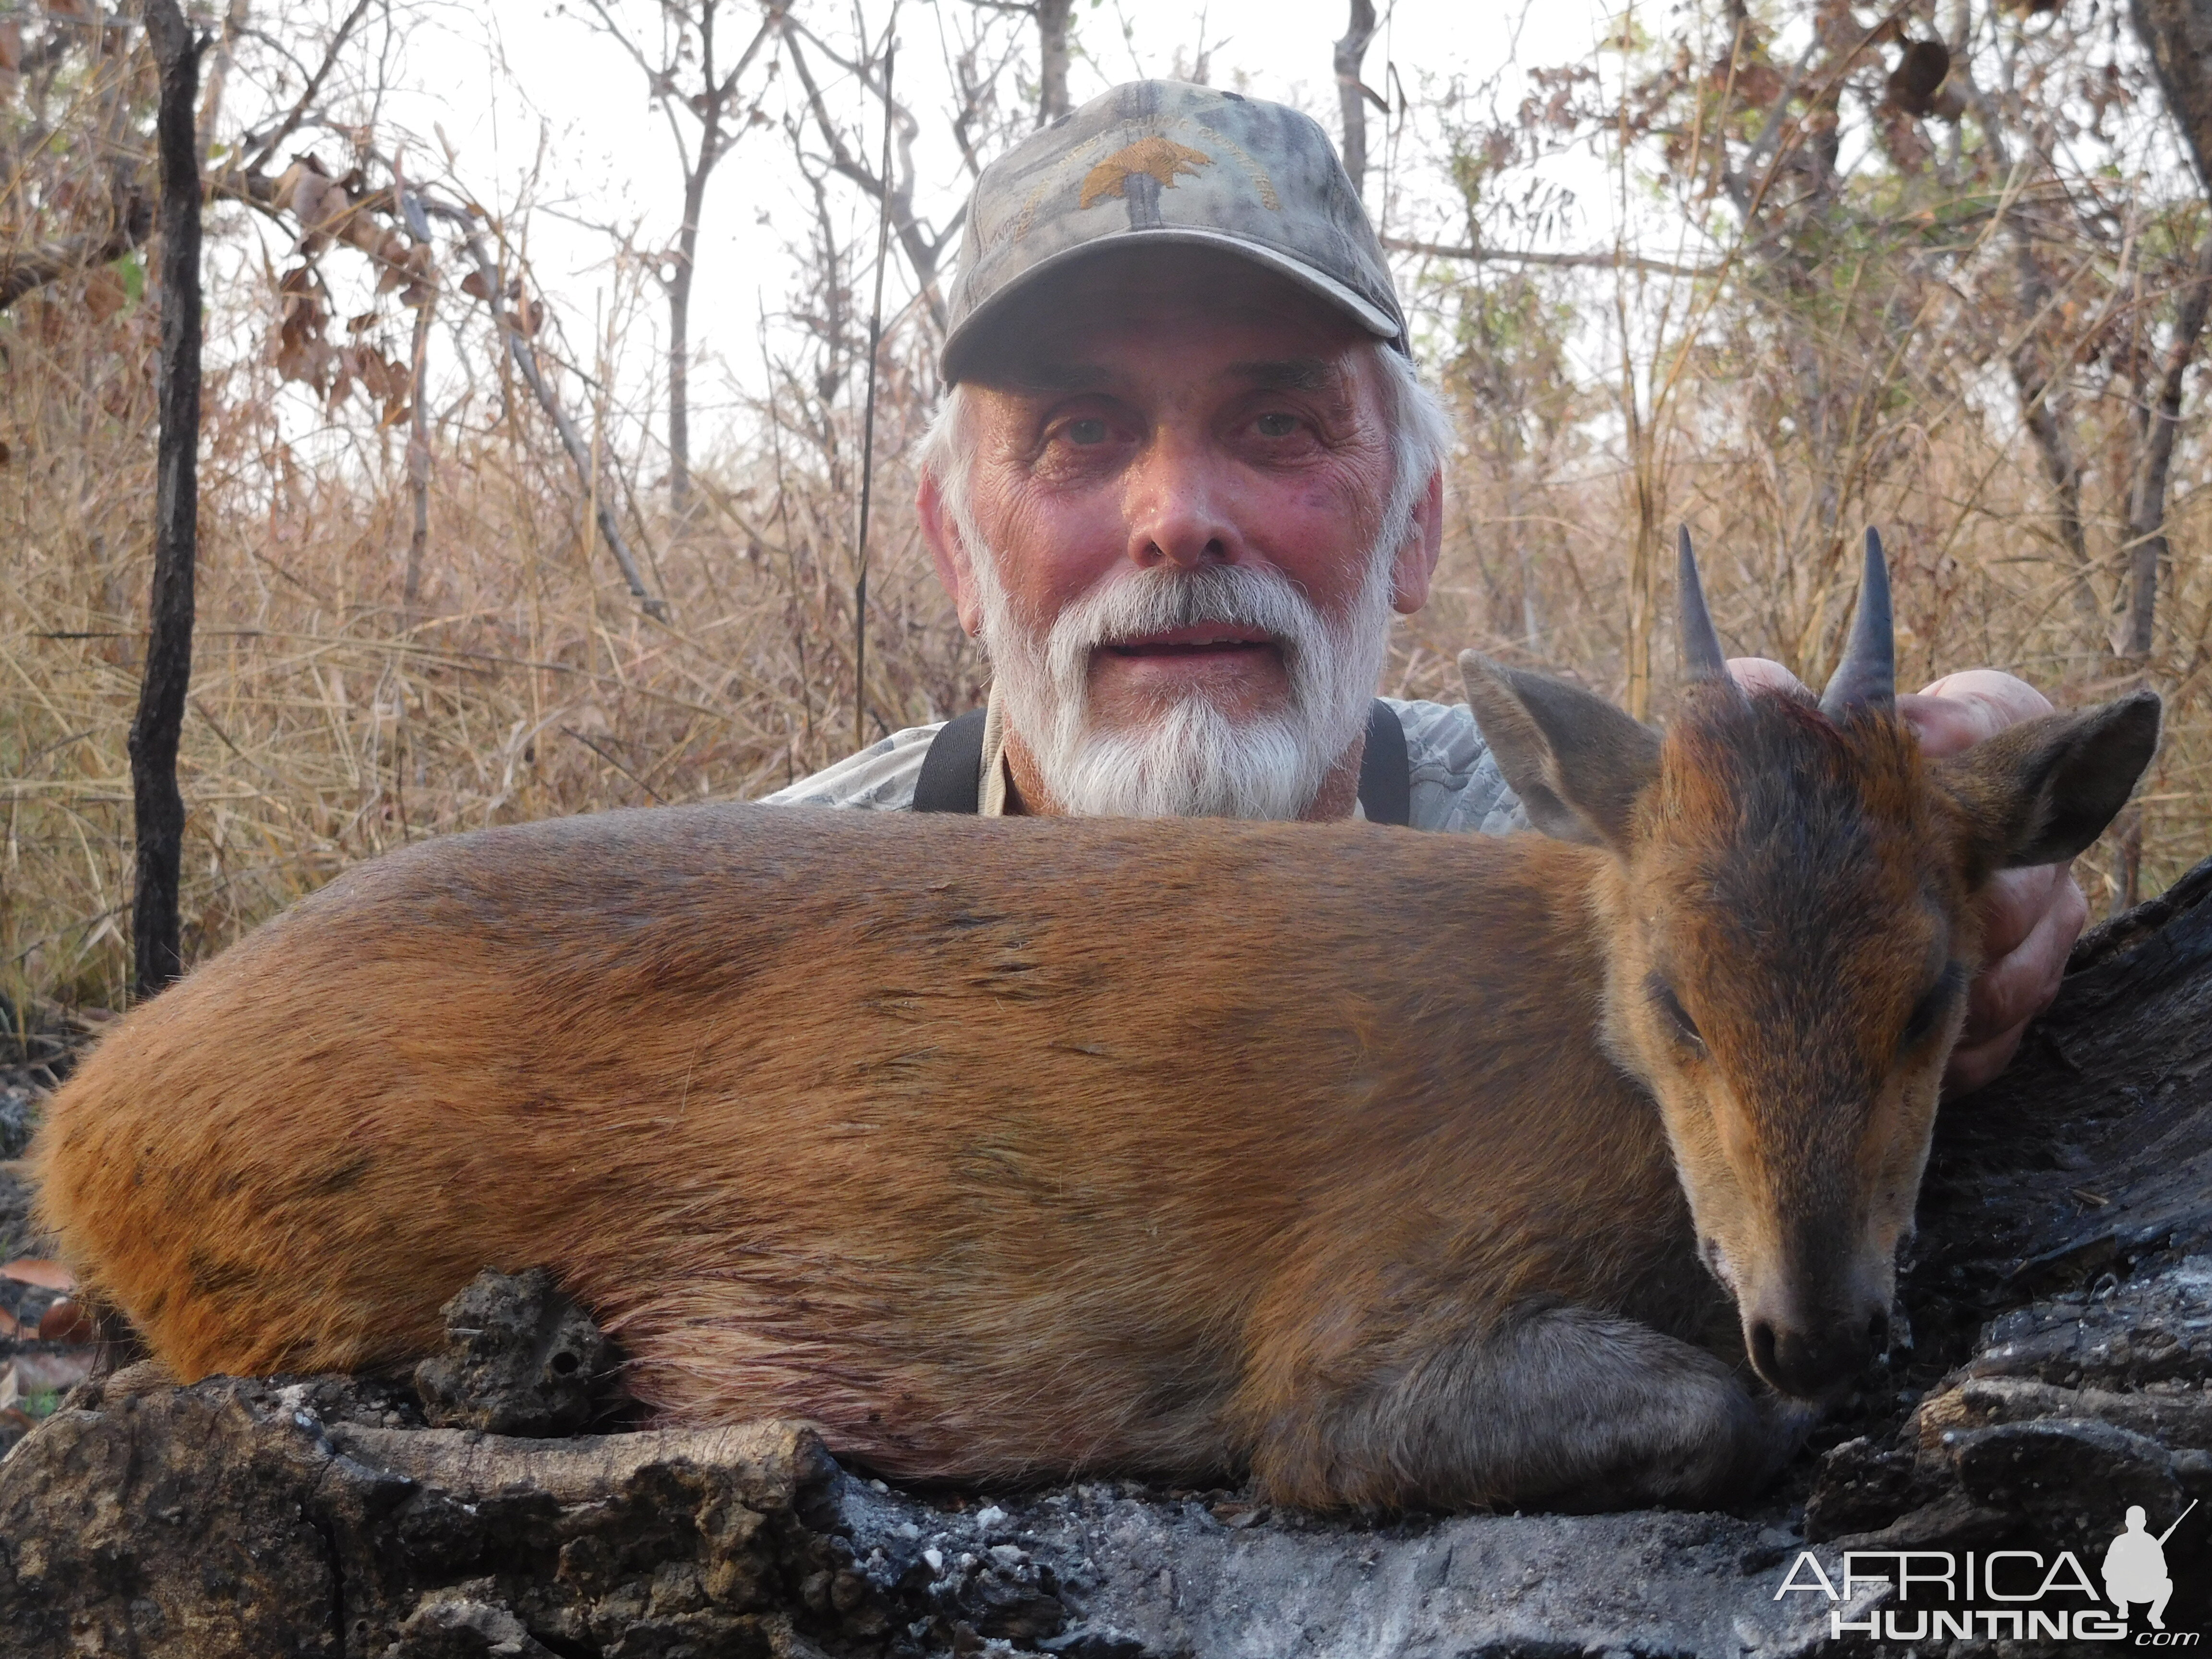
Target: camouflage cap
1167, 161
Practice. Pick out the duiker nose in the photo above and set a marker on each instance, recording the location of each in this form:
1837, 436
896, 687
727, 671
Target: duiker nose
1811, 1361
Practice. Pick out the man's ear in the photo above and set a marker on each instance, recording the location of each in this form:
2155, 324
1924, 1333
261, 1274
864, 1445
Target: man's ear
1577, 762
1416, 563
948, 552
2042, 791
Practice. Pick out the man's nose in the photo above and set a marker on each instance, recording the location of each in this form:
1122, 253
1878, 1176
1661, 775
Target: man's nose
1174, 506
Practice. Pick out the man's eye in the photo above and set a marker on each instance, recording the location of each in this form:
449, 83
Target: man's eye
1278, 425
1086, 433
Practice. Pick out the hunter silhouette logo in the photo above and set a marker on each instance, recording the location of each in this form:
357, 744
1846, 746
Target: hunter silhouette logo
1999, 1596
2135, 1565
1156, 157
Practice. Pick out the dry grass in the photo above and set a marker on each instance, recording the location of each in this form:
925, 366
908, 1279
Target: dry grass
327, 725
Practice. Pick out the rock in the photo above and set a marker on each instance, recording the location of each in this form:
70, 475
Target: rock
290, 1517
233, 1518
1864, 1485
449, 1626
19, 1116
2043, 1471
520, 1359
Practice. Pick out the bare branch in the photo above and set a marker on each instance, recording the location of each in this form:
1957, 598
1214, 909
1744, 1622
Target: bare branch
1617, 261
299, 111
525, 361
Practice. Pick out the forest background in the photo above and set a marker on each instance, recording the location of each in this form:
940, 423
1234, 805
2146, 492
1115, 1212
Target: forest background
481, 541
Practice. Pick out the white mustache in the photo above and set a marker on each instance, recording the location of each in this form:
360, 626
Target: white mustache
1165, 598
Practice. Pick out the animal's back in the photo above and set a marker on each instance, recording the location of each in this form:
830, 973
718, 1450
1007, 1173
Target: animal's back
989, 1145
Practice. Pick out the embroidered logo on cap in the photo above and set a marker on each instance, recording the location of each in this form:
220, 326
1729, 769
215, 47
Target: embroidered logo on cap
1158, 158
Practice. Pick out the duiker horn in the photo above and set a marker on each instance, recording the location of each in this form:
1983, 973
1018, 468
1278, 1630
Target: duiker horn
1868, 673
1702, 658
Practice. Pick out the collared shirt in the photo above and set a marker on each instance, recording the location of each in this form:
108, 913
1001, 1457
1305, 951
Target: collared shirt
1456, 783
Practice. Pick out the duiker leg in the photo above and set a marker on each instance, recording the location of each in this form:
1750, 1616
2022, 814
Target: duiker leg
1563, 1406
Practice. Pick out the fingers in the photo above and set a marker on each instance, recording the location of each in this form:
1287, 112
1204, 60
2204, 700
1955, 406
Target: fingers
2014, 903
1954, 713
2030, 918
1972, 1068
1763, 674
1960, 710
2021, 983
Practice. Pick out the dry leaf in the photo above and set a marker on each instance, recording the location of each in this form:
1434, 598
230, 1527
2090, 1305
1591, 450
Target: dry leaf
475, 286
11, 44
392, 255
1912, 83
105, 294
35, 1270
8, 1327
359, 229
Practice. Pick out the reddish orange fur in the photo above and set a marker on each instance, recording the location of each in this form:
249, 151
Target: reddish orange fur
995, 1148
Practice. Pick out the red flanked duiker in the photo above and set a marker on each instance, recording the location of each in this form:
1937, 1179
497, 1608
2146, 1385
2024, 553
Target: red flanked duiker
1008, 1150
1791, 906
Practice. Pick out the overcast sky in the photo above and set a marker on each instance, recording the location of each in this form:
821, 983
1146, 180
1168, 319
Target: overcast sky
518, 86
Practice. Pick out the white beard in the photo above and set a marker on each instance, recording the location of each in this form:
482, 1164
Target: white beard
1195, 760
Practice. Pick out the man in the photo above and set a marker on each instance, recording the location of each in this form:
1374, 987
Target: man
1184, 474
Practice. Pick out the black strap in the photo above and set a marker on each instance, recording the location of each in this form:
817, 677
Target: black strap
1386, 771
953, 770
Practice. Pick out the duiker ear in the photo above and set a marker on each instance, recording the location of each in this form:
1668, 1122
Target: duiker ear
2044, 789
1576, 762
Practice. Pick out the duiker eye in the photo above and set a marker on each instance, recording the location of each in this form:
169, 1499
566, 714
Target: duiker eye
1934, 1003
1664, 998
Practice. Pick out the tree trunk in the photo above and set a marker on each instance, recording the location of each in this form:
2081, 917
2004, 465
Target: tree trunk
2178, 33
2050, 423
2146, 545
1352, 93
418, 458
1052, 59
159, 807
679, 338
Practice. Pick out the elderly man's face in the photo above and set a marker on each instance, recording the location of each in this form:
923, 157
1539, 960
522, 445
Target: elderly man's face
1172, 411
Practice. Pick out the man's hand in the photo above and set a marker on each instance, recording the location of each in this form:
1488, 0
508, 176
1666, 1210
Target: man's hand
2031, 917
